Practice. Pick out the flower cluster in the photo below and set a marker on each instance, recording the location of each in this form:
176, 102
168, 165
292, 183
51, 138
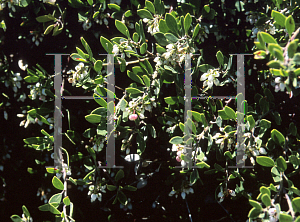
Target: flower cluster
15, 81
29, 120
99, 143
140, 105
127, 205
36, 91
210, 78
203, 33
175, 53
79, 74
11, 5
43, 194
95, 192
153, 24
119, 48
184, 190
101, 19
36, 38
65, 168
224, 194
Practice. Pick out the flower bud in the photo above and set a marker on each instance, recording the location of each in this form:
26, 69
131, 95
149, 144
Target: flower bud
133, 117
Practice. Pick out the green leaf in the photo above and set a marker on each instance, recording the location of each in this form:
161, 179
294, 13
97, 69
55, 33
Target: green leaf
128, 13
293, 129
275, 64
78, 58
16, 218
49, 207
144, 13
150, 6
135, 37
267, 38
56, 198
171, 100
98, 66
220, 58
228, 154
141, 145
292, 48
296, 204
46, 18
93, 118
255, 204
106, 44
266, 200
57, 183
159, 6
161, 39
265, 161
114, 7
163, 26
130, 188
176, 140
265, 190
196, 31
275, 174
135, 77
87, 47
277, 137
281, 164
133, 90
31, 79
187, 22
67, 201
25, 211
269, 95
230, 112
297, 219
194, 176
290, 25
284, 217
146, 80
254, 213
122, 197
111, 187
100, 100
223, 115
203, 165
143, 48
48, 29
265, 123
279, 18
119, 175
122, 28
171, 23
278, 54
171, 38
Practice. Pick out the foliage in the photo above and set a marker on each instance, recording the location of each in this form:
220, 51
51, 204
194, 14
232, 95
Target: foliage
166, 151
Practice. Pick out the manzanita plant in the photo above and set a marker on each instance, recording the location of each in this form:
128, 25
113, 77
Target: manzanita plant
163, 149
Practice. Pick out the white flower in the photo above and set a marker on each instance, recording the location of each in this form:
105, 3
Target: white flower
5, 115
209, 78
183, 195
272, 211
262, 150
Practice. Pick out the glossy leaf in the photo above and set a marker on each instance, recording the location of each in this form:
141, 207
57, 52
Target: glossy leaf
265, 161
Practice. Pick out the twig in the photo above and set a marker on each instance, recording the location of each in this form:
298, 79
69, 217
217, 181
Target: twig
190, 215
290, 205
